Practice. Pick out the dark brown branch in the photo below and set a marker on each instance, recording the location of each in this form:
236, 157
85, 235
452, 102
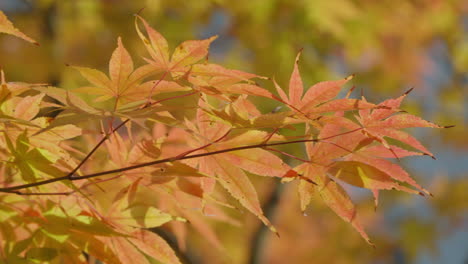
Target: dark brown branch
12, 189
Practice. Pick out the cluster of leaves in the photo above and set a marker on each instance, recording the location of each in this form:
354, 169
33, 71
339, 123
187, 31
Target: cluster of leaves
190, 126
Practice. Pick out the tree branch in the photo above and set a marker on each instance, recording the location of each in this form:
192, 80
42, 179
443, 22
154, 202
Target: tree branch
179, 157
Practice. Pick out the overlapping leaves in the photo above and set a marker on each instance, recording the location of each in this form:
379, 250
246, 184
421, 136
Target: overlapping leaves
167, 174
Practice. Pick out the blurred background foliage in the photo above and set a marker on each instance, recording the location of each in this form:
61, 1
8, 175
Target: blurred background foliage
390, 45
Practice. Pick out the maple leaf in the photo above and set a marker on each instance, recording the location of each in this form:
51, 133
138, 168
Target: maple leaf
7, 27
332, 194
322, 157
228, 168
349, 152
215, 80
186, 54
318, 98
388, 121
370, 168
124, 84
243, 114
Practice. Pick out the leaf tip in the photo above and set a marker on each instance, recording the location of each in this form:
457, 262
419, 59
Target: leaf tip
350, 77
139, 11
277, 234
298, 55
409, 91
430, 155
213, 38
348, 94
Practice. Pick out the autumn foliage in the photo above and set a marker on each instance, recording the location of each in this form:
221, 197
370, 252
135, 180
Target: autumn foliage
84, 178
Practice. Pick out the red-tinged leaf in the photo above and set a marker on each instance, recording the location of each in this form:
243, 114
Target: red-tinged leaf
246, 107
209, 130
403, 137
258, 161
216, 80
240, 113
28, 107
7, 27
334, 142
189, 187
384, 121
391, 169
405, 121
207, 184
281, 93
296, 88
338, 200
120, 66
316, 95
117, 149
157, 45
388, 107
365, 176
232, 178
190, 52
144, 151
132, 190
220, 76
154, 246
126, 252
239, 186
383, 152
338, 105
274, 120
331, 193
322, 92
